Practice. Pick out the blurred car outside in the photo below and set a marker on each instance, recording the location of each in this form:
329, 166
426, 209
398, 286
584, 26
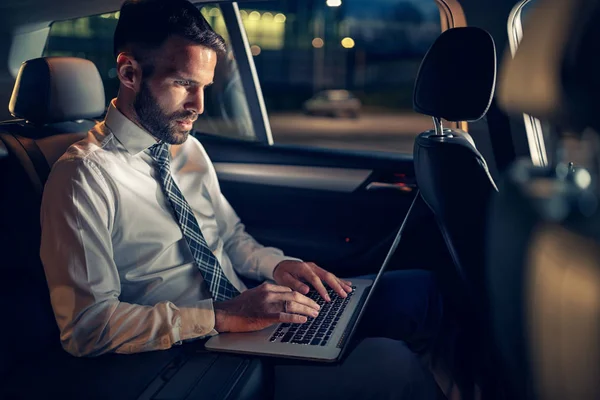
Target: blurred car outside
333, 103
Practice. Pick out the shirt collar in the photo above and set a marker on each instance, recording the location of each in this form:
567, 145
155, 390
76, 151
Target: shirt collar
130, 135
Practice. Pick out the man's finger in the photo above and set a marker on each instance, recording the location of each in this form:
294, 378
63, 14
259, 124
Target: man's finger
297, 308
292, 318
272, 318
295, 284
295, 297
334, 283
315, 281
347, 283
270, 287
347, 287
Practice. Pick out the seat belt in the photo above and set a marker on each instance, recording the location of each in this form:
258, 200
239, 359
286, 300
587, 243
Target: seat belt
41, 168
40, 164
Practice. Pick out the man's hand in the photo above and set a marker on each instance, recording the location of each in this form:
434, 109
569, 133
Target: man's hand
293, 274
265, 305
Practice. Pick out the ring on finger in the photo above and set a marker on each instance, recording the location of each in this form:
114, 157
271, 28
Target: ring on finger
285, 306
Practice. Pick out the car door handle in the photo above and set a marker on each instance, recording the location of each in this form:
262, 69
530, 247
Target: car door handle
401, 186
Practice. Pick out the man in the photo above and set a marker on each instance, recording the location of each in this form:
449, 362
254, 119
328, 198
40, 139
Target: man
142, 251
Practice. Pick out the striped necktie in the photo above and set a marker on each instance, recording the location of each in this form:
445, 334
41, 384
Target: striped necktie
220, 287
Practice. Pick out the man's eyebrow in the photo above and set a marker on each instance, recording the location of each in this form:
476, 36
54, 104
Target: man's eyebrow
184, 78
194, 82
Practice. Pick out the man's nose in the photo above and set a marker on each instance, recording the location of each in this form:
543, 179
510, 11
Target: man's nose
196, 101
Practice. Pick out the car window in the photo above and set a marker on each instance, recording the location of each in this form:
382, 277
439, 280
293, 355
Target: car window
537, 131
526, 9
226, 109
370, 50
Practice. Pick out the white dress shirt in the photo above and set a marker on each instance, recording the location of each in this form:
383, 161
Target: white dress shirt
120, 273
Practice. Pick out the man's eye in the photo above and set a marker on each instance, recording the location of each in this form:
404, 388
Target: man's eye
183, 83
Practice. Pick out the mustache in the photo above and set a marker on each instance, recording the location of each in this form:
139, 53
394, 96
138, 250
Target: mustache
185, 115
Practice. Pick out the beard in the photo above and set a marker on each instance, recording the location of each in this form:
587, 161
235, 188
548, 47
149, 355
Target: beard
161, 125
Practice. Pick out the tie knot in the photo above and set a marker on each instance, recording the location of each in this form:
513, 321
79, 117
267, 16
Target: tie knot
160, 152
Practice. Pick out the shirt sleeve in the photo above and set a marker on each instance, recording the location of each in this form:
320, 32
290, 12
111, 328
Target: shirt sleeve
249, 258
77, 216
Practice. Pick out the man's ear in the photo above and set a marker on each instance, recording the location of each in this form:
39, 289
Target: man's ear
129, 71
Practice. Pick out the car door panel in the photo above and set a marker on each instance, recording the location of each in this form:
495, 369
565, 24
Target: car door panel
295, 176
340, 209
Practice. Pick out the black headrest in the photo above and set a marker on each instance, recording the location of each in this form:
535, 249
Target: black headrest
554, 74
57, 89
457, 77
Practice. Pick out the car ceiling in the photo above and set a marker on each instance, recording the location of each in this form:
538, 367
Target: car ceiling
29, 15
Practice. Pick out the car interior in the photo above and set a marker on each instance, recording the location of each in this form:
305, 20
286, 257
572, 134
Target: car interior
500, 200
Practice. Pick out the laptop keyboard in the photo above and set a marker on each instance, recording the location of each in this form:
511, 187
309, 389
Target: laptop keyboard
315, 331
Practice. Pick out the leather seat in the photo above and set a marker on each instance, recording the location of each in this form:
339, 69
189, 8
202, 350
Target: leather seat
544, 280
53, 100
452, 175
543, 265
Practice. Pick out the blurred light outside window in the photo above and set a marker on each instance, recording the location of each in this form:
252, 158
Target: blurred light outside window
533, 126
307, 53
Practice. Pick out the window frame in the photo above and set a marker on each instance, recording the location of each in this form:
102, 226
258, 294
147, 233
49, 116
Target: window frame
245, 62
533, 126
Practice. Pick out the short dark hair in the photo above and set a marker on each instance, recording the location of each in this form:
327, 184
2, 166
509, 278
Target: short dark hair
145, 25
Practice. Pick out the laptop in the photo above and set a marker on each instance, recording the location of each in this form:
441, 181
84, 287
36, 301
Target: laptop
319, 339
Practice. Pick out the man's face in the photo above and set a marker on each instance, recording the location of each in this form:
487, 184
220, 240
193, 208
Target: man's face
171, 98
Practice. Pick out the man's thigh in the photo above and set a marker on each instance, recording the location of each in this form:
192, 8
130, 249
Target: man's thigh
376, 368
406, 305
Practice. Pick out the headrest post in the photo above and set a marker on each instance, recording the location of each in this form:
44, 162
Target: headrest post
439, 128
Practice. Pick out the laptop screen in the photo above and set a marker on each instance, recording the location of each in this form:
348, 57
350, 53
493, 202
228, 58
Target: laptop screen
382, 269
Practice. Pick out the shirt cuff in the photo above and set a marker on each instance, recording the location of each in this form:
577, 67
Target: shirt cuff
268, 264
196, 322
